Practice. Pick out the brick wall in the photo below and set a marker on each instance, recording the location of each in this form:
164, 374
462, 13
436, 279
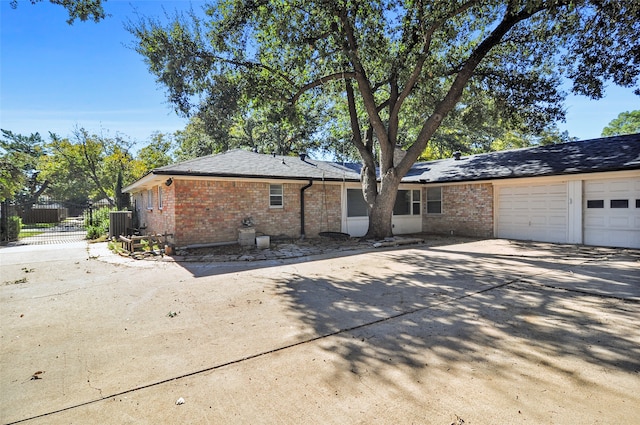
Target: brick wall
467, 210
208, 211
156, 220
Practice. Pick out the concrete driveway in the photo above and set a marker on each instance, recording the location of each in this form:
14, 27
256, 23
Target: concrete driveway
485, 332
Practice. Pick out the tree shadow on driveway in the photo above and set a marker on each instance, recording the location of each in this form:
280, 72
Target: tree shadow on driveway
541, 319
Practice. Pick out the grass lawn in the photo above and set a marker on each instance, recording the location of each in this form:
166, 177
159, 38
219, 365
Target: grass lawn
26, 233
29, 230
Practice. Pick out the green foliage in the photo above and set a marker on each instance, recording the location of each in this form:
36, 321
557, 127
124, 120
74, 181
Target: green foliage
87, 165
100, 226
14, 225
157, 152
625, 123
77, 9
20, 175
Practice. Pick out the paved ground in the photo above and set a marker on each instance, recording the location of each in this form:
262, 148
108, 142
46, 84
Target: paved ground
488, 332
53, 236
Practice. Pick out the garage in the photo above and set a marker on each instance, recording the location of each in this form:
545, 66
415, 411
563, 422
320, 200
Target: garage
537, 212
612, 212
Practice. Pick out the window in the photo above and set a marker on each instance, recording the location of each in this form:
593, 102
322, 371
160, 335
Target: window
356, 206
619, 203
637, 203
434, 200
159, 197
595, 203
149, 199
403, 203
407, 202
416, 202
275, 196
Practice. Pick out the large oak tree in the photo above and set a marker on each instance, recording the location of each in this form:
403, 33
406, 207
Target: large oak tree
398, 67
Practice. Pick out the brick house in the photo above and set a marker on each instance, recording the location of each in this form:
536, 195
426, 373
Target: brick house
584, 192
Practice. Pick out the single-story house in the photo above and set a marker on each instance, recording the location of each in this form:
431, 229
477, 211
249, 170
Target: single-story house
585, 192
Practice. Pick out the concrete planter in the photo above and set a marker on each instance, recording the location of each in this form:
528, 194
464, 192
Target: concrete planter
246, 236
263, 242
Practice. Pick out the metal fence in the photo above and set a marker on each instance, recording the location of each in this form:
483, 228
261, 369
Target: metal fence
47, 221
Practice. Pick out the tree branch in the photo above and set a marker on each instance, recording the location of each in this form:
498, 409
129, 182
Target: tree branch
364, 86
455, 91
320, 81
249, 65
417, 70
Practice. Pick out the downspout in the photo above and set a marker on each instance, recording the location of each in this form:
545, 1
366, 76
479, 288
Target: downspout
302, 234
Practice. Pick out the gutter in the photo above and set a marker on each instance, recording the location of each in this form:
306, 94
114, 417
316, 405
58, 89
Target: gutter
302, 234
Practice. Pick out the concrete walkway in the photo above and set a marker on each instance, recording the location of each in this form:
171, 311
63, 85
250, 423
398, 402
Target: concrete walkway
487, 332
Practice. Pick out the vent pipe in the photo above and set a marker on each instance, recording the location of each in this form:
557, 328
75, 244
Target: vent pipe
457, 155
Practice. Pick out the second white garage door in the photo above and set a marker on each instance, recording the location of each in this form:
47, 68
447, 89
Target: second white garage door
612, 212
533, 212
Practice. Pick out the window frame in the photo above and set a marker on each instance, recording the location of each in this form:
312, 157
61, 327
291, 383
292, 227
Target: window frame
593, 204
275, 196
160, 200
615, 204
438, 201
149, 199
410, 200
359, 199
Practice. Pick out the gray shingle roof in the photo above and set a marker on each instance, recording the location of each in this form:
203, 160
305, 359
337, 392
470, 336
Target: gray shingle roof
589, 156
596, 155
240, 163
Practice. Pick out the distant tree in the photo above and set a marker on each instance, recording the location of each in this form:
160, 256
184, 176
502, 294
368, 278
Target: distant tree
194, 141
87, 165
77, 9
260, 130
157, 153
625, 123
20, 176
399, 68
122, 199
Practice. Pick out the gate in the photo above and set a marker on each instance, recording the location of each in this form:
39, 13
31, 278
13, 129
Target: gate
47, 221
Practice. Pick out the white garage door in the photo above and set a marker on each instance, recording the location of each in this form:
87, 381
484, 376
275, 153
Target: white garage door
533, 212
612, 212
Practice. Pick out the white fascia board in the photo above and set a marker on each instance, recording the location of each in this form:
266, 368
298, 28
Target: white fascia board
146, 182
543, 179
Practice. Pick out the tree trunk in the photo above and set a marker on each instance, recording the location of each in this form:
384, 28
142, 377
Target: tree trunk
381, 209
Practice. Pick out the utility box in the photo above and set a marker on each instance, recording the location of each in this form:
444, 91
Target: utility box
119, 222
246, 236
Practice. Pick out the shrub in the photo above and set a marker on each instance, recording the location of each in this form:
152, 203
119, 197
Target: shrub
14, 225
100, 224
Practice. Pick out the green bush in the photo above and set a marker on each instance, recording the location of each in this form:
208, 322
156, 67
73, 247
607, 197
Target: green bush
100, 225
14, 225
94, 232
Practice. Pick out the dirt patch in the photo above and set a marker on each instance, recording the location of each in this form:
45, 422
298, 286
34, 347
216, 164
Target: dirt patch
282, 248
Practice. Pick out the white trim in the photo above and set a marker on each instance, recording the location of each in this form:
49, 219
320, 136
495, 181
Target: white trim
152, 180
574, 219
281, 206
149, 200
566, 178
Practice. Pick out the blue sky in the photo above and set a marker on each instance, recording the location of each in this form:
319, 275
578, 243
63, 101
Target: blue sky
56, 77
